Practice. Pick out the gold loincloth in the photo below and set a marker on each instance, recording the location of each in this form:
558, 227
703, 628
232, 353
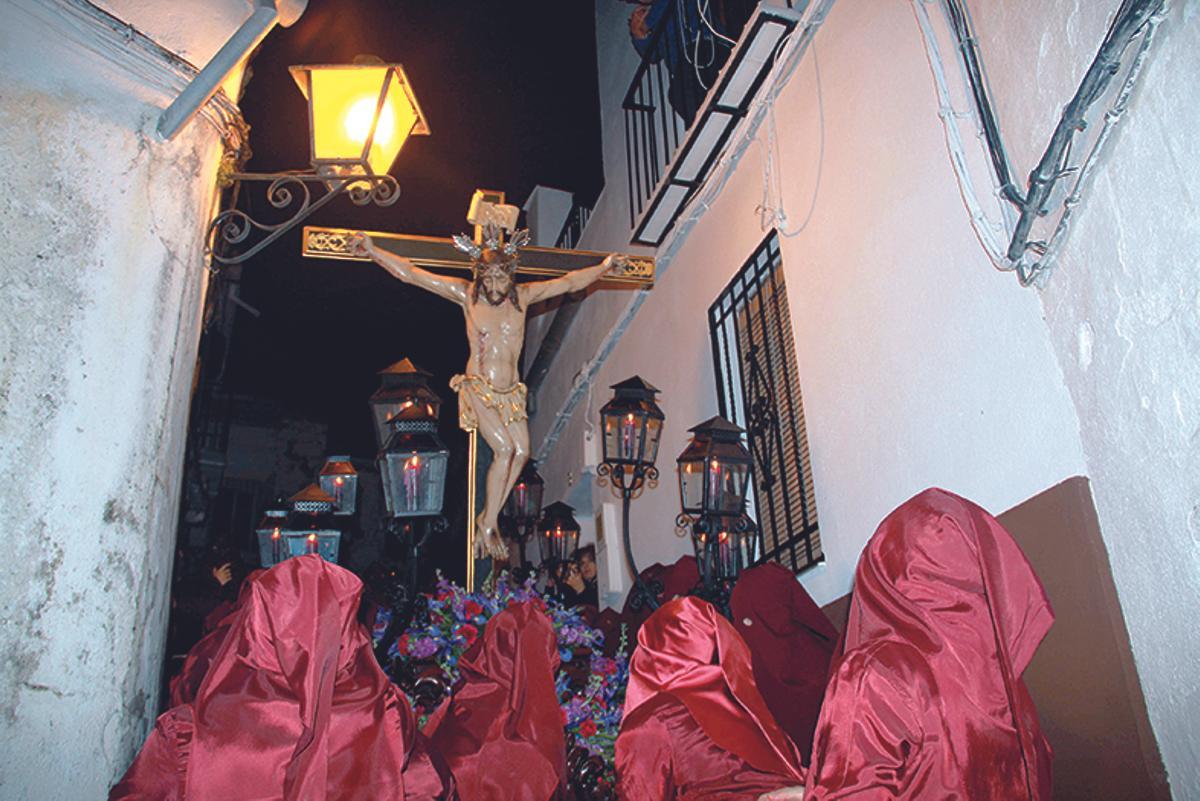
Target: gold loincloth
510, 402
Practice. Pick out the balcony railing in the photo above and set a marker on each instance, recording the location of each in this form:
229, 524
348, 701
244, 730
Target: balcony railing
692, 85
572, 230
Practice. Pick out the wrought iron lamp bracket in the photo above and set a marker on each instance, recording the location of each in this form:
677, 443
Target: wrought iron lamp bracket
291, 190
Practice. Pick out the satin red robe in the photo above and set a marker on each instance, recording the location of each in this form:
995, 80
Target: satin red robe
293, 708
791, 644
694, 725
927, 702
502, 732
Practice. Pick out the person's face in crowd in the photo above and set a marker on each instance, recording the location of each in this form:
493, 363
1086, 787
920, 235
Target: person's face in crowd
572, 577
587, 566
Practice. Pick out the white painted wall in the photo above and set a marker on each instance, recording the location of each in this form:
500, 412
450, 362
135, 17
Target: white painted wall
1123, 313
921, 365
101, 284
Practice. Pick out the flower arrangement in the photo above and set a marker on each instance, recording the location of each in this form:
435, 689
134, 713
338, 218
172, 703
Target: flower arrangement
590, 686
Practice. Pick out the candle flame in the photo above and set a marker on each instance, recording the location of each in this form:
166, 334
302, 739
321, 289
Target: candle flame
339, 481
275, 534
312, 537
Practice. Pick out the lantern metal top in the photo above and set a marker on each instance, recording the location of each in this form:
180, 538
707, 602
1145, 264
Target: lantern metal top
559, 514
715, 437
634, 394
338, 466
530, 477
312, 499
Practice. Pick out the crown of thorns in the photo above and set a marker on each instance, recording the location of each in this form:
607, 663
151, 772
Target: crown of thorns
503, 255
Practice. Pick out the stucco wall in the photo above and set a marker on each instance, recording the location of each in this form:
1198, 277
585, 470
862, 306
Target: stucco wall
1123, 312
920, 363
101, 283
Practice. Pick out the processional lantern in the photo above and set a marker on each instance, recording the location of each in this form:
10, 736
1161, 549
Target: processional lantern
339, 480
524, 503
713, 470
523, 507
304, 527
413, 461
404, 394
359, 118
713, 477
559, 532
632, 424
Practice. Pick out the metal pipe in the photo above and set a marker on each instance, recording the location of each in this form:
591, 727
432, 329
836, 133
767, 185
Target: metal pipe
266, 14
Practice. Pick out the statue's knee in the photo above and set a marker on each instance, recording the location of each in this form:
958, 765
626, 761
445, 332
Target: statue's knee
503, 451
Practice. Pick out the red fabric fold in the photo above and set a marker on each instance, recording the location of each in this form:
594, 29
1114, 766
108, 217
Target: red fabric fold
690, 659
293, 708
927, 701
791, 644
502, 732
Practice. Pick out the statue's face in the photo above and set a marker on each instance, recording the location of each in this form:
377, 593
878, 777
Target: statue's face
494, 277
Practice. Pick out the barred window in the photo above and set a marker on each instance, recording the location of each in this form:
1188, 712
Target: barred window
758, 385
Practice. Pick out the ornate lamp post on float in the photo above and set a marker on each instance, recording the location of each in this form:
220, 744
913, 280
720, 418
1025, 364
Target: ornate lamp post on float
521, 511
359, 117
713, 475
412, 466
632, 427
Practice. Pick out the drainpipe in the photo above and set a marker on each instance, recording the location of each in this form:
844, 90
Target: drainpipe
556, 334
264, 17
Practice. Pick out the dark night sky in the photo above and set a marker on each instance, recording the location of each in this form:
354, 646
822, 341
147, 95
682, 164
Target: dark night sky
509, 91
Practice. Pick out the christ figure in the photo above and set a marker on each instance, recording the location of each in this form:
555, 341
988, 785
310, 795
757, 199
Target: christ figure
491, 397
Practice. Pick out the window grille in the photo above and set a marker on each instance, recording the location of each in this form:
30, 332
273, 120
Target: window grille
758, 385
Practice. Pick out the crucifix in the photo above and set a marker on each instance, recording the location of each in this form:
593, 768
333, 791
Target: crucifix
491, 396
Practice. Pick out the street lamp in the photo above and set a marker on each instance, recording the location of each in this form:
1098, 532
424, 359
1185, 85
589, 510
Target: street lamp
713, 476
359, 117
523, 506
632, 427
559, 531
339, 479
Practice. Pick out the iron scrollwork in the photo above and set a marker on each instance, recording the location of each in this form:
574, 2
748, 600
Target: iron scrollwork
288, 190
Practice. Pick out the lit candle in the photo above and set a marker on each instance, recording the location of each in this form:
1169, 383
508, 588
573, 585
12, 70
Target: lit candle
276, 543
520, 498
311, 545
627, 432
338, 481
412, 470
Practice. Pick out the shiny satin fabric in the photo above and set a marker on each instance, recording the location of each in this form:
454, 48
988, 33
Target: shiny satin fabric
502, 732
677, 580
293, 708
927, 701
691, 696
791, 644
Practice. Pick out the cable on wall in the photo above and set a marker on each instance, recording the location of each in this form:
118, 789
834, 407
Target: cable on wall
1047, 190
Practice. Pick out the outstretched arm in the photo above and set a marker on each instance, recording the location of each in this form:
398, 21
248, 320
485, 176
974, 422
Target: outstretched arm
569, 282
454, 289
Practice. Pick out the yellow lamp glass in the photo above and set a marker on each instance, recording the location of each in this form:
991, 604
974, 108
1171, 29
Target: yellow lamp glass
360, 116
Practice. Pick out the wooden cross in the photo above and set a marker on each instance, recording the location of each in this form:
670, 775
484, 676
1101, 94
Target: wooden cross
441, 254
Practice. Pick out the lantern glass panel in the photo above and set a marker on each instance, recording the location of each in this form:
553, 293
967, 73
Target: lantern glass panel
691, 487
725, 487
729, 551
343, 102
653, 436
413, 482
339, 480
270, 531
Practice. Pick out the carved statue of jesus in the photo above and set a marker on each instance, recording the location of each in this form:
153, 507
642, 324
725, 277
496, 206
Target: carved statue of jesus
491, 397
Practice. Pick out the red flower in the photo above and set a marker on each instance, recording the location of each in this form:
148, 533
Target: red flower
473, 609
469, 633
402, 645
587, 728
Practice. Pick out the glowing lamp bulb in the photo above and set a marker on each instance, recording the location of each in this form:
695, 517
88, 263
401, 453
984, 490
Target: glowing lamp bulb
358, 121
